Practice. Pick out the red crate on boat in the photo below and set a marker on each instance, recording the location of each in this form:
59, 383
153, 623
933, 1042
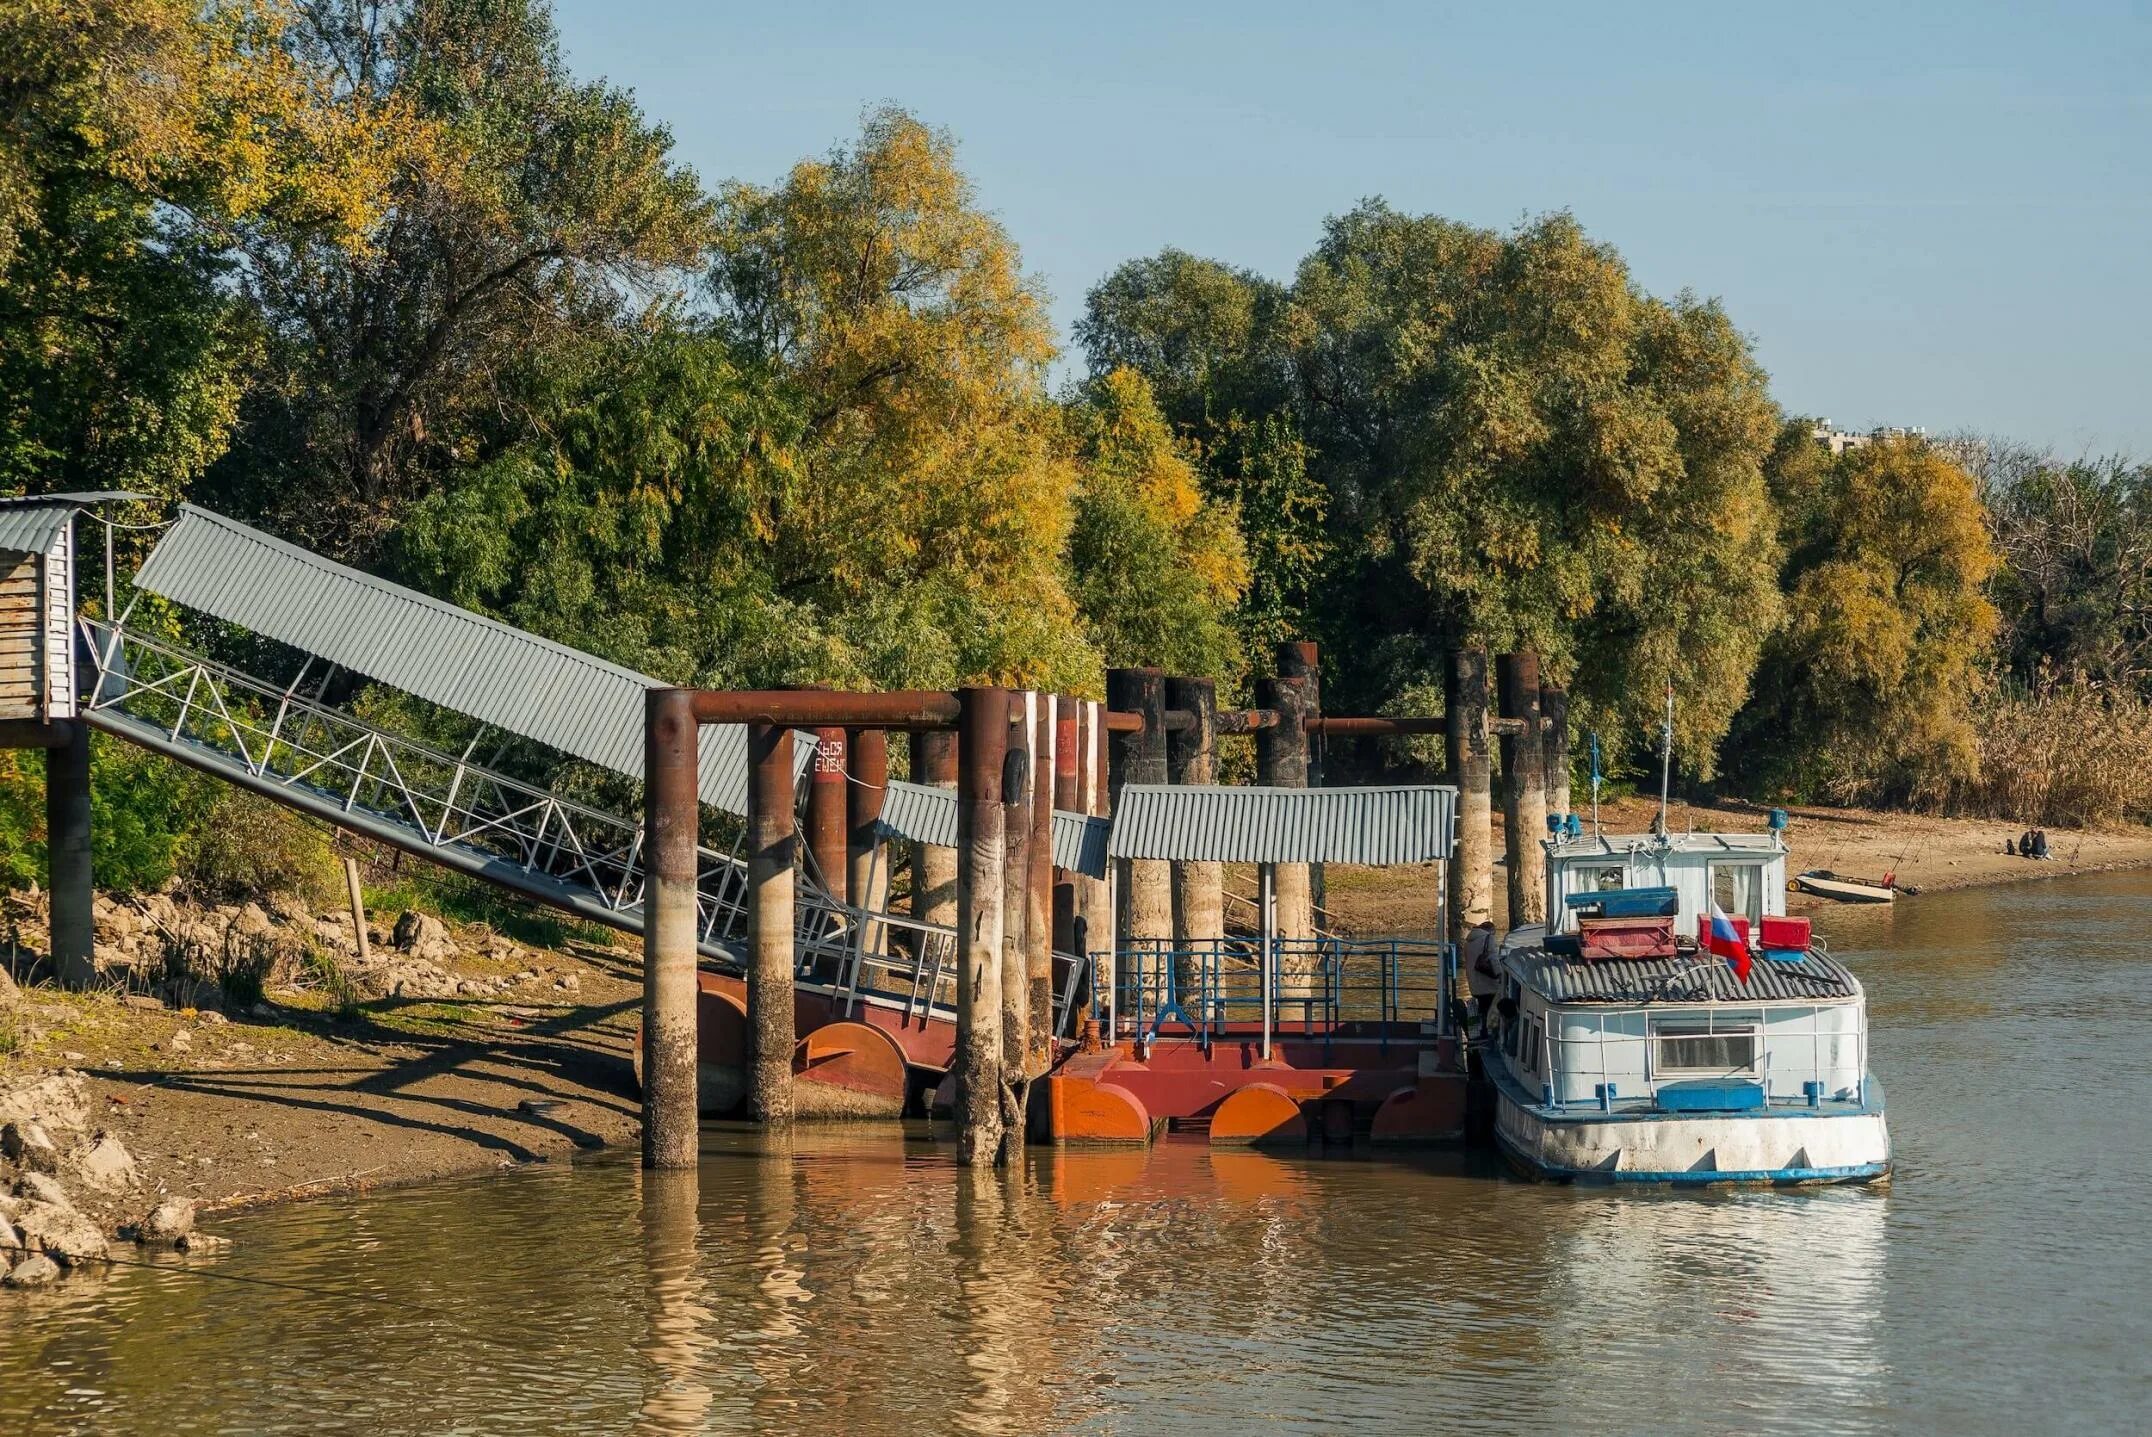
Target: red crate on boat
1603, 938
1788, 934
1741, 928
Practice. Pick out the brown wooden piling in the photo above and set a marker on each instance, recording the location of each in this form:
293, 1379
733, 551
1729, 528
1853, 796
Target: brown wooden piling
868, 881
1554, 705
1095, 905
669, 833
1191, 756
933, 866
983, 735
827, 819
772, 844
1139, 756
1471, 879
1524, 789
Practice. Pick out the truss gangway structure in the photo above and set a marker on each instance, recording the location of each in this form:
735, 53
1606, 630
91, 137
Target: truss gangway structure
276, 739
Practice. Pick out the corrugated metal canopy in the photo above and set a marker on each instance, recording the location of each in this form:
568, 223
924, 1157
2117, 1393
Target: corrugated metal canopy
490, 671
920, 813
1661, 980
28, 526
1370, 826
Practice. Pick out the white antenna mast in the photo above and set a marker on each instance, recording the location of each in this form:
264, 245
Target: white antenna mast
1666, 758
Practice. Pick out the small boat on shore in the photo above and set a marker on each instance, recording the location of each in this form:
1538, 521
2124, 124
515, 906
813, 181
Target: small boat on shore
1826, 884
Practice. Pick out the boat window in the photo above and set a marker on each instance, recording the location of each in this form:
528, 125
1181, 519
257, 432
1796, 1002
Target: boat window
1738, 888
1703, 1050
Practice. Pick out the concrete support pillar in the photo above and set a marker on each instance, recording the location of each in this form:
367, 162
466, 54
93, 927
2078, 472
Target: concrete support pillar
827, 819
1471, 876
1299, 659
669, 832
1281, 761
1016, 1016
1146, 897
1039, 892
983, 736
1191, 755
1524, 789
934, 867
1554, 704
867, 884
772, 848
67, 846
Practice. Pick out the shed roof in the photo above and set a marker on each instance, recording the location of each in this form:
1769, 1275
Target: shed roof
1370, 826
1679, 980
28, 526
922, 813
498, 674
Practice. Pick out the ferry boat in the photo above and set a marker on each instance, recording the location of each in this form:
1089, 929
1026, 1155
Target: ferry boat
1622, 1049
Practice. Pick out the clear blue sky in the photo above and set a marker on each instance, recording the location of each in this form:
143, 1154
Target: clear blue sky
1924, 214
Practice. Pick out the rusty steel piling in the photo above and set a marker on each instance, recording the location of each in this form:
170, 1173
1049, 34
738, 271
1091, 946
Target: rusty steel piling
1299, 659
669, 1080
1016, 1015
1039, 893
1466, 724
1524, 788
1198, 887
1138, 755
1554, 705
933, 866
982, 743
772, 846
1281, 761
828, 812
868, 783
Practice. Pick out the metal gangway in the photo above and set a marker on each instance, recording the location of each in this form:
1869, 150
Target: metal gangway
276, 741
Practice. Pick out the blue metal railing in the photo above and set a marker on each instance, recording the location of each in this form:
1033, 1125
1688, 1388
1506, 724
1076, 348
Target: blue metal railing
1315, 988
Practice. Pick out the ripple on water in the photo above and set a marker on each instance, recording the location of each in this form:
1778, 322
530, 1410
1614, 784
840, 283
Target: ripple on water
859, 1280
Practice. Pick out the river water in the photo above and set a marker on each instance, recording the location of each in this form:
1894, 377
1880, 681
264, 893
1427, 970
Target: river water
859, 1282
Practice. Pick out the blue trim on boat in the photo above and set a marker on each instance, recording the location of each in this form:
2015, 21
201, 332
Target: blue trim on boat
1506, 1083
1859, 1172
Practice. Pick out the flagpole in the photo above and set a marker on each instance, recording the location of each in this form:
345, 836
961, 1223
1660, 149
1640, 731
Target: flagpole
1666, 758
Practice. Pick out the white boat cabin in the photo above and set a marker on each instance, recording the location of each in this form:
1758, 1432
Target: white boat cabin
1680, 1031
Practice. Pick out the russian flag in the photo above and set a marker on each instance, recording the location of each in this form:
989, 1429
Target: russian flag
1722, 940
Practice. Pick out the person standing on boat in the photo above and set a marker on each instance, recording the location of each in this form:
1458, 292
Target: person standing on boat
1485, 976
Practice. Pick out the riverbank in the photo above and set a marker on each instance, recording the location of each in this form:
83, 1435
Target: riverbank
1934, 855
307, 1092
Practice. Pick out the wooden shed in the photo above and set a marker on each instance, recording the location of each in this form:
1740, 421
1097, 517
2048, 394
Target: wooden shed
37, 589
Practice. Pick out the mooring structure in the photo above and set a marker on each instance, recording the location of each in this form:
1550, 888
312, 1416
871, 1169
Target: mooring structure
1068, 906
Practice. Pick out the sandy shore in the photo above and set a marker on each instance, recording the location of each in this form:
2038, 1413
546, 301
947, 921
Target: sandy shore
290, 1101
1933, 855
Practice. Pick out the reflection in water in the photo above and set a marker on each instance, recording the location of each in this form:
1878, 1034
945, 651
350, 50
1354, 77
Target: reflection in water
678, 1396
855, 1280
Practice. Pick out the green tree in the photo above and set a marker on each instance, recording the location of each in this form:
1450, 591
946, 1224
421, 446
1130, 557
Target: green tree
1155, 567
135, 134
1866, 694
1505, 443
534, 204
2075, 584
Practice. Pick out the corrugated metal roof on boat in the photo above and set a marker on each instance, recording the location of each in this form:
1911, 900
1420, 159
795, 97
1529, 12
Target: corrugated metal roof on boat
1663, 980
1370, 826
548, 692
922, 813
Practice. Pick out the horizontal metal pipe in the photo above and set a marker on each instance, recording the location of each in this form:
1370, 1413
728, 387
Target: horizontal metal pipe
906, 709
1123, 722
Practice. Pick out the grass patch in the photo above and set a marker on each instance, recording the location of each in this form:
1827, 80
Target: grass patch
463, 900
